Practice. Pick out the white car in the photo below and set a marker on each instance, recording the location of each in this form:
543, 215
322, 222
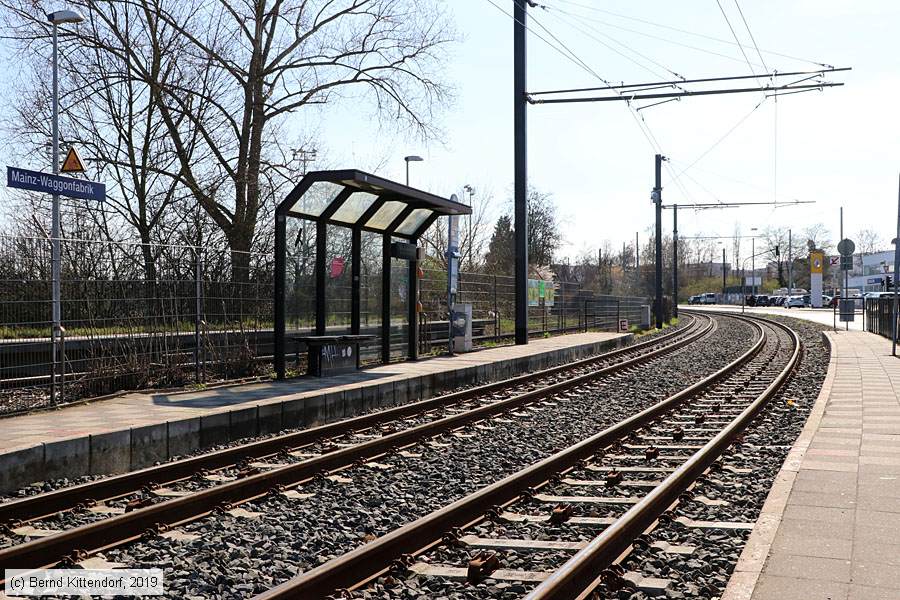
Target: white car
794, 302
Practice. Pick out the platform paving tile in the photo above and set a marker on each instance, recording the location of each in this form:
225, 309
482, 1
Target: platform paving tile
140, 409
838, 534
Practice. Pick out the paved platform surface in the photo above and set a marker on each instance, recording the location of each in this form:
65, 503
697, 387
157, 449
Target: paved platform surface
824, 316
830, 529
139, 409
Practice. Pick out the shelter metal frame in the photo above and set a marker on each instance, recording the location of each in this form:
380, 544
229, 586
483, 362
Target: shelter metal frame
360, 202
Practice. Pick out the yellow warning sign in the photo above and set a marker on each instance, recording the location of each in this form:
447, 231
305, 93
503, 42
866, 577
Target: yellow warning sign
73, 163
816, 262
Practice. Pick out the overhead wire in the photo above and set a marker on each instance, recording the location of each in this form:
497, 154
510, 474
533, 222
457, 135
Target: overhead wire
573, 57
685, 31
578, 26
723, 138
655, 37
543, 39
738, 41
750, 33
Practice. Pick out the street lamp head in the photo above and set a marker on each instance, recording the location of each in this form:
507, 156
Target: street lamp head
413, 158
64, 16
469, 189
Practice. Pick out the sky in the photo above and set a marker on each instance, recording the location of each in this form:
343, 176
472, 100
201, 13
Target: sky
837, 147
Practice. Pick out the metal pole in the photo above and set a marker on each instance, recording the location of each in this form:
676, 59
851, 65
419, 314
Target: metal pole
753, 265
743, 284
657, 195
790, 265
385, 299
198, 290
407, 173
520, 142
723, 274
55, 267
637, 258
675, 262
280, 276
896, 286
355, 281
412, 312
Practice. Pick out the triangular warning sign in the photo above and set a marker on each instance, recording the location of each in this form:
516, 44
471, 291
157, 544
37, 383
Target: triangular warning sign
73, 163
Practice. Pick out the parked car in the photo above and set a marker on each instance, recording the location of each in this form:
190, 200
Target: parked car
694, 300
807, 300
708, 298
794, 302
762, 300
776, 301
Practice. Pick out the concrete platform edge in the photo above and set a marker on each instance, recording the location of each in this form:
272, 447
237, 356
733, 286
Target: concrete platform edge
118, 451
753, 558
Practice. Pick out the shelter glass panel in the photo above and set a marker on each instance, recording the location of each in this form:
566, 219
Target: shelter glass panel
386, 215
317, 198
300, 281
338, 282
354, 207
415, 220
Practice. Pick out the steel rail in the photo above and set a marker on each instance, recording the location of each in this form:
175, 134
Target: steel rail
43, 505
579, 575
118, 529
373, 559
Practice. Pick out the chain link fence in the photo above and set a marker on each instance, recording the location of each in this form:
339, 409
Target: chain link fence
206, 314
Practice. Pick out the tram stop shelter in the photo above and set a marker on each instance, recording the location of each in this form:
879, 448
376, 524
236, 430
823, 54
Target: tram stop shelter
360, 202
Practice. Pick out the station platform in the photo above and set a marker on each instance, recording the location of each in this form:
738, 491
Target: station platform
135, 430
830, 527
823, 316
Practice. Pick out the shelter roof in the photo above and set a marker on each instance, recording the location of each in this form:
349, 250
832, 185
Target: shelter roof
355, 199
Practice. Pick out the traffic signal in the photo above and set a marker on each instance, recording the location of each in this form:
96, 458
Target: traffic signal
889, 281
777, 253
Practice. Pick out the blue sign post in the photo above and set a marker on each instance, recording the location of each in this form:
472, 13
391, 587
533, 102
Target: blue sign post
36, 181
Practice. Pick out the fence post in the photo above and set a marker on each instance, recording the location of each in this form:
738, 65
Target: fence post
496, 312
618, 314
62, 352
198, 291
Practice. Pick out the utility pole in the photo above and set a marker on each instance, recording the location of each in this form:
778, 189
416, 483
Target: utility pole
675, 261
896, 283
520, 160
753, 265
637, 260
656, 196
844, 282
723, 272
790, 265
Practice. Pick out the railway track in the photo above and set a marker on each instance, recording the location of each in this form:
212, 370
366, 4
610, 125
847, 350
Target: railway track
119, 509
560, 527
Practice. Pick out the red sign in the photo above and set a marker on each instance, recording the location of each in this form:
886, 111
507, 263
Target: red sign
337, 267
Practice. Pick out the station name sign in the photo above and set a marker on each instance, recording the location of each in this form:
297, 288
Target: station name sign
36, 181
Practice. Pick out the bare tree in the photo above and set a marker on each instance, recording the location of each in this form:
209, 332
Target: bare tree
225, 77
820, 236
868, 240
544, 235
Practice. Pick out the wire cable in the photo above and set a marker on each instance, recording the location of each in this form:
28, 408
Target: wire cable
722, 139
734, 35
578, 26
750, 33
685, 31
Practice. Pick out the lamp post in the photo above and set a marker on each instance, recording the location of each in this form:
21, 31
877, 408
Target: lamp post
56, 19
409, 159
471, 191
753, 262
744, 278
